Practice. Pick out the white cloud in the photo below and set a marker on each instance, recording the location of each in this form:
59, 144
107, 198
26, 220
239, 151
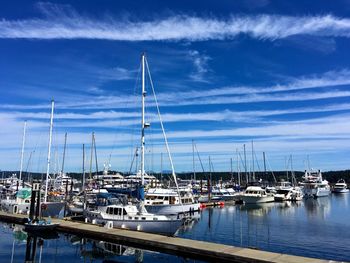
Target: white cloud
314, 87
63, 22
200, 64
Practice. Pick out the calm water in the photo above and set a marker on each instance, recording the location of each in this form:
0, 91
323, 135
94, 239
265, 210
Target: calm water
17, 246
315, 228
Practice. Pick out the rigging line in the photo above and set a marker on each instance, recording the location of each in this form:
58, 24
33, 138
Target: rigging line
164, 135
114, 144
96, 163
268, 163
256, 161
133, 126
240, 157
199, 157
133, 160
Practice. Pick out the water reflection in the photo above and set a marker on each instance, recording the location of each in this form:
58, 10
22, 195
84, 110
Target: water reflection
318, 208
16, 245
343, 198
270, 226
257, 209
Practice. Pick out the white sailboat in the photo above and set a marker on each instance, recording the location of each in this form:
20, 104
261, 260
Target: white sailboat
134, 216
49, 208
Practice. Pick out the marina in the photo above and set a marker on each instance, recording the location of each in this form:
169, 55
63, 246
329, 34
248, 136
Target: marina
243, 226
174, 131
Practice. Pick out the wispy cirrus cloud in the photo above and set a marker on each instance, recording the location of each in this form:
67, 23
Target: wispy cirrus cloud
62, 22
304, 88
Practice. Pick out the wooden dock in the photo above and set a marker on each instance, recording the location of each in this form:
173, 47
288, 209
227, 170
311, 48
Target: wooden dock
172, 245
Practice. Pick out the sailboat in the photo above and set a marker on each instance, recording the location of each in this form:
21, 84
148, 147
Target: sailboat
50, 208
114, 211
166, 201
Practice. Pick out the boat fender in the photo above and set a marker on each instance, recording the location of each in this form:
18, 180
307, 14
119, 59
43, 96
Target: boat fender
138, 228
109, 225
86, 220
93, 221
14, 209
123, 226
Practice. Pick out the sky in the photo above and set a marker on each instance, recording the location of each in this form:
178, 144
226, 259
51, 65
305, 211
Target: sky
271, 75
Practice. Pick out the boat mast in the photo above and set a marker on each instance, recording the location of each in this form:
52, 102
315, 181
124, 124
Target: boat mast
49, 151
143, 122
245, 164
194, 167
84, 191
231, 169
22, 151
238, 168
64, 152
253, 161
264, 163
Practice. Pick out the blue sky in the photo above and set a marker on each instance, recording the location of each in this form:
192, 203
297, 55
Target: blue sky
225, 73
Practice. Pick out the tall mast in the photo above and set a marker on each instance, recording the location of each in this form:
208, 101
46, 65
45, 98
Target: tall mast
22, 151
84, 192
49, 151
253, 161
143, 122
194, 167
245, 164
238, 169
264, 163
231, 170
64, 152
294, 181
91, 154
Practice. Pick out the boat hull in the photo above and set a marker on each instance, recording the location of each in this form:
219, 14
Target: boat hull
257, 199
317, 192
340, 191
34, 227
172, 209
11, 206
167, 227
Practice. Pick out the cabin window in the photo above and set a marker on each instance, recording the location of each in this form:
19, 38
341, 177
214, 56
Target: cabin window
115, 211
155, 218
124, 212
143, 218
136, 218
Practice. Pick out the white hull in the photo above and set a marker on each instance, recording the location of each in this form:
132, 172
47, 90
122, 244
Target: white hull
11, 206
168, 227
257, 199
340, 190
172, 209
317, 192
288, 195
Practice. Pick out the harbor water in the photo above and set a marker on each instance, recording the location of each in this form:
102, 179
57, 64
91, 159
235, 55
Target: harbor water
313, 228
318, 228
